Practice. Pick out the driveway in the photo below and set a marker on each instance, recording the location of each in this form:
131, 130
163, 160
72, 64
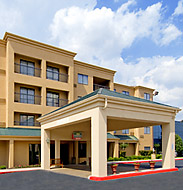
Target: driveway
47, 180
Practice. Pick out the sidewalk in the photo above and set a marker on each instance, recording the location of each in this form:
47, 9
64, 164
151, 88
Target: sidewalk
4, 171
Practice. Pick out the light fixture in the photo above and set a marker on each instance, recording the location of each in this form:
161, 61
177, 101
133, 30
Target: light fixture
155, 93
48, 140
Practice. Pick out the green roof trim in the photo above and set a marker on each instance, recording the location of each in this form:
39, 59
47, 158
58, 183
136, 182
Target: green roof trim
110, 136
127, 137
20, 132
107, 92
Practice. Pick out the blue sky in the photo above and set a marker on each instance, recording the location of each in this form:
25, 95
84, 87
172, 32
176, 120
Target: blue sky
141, 39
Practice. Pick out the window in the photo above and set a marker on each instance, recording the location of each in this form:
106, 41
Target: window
34, 154
126, 93
27, 120
82, 149
147, 96
125, 131
52, 99
52, 73
146, 130
27, 95
27, 67
82, 79
146, 147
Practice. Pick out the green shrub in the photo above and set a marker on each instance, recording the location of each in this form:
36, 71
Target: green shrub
3, 167
145, 152
110, 159
158, 156
122, 154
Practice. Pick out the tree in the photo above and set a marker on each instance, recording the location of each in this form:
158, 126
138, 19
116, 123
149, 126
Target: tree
178, 145
157, 146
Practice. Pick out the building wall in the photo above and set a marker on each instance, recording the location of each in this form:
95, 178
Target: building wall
3, 83
14, 48
145, 140
91, 71
130, 150
4, 152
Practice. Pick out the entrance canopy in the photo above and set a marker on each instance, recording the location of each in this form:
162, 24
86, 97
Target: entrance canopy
102, 111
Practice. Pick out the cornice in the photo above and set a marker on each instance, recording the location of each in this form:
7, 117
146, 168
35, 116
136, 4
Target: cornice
87, 65
10, 36
2, 43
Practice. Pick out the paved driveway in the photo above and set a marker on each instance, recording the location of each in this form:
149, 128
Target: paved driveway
46, 180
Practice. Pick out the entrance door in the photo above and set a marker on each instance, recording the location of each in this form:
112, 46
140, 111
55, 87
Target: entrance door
64, 153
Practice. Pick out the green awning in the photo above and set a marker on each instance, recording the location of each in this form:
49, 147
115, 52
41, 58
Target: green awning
20, 132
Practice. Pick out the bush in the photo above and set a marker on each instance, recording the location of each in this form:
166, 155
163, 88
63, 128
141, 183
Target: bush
3, 167
130, 158
178, 145
158, 156
122, 154
145, 152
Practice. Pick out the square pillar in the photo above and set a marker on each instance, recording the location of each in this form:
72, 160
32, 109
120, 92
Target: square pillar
76, 151
168, 145
57, 149
99, 143
45, 149
137, 149
88, 152
11, 154
116, 149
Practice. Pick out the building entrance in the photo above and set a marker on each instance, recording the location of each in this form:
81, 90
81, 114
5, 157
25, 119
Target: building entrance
64, 153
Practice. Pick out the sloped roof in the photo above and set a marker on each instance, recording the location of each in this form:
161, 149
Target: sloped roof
127, 137
107, 92
110, 136
20, 132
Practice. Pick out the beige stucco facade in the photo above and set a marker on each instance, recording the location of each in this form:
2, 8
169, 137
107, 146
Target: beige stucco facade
105, 113
14, 148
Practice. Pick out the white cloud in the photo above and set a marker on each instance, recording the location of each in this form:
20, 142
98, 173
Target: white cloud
179, 8
162, 73
170, 33
9, 18
102, 34
99, 36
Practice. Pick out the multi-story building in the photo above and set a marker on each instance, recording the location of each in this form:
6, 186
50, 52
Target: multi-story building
37, 78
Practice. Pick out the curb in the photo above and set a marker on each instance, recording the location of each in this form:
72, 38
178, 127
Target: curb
132, 174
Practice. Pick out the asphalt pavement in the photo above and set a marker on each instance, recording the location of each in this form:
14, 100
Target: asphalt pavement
47, 180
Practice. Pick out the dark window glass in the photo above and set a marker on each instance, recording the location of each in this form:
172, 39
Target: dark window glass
146, 130
82, 150
125, 92
82, 79
27, 67
52, 99
146, 96
27, 95
34, 154
27, 120
52, 73
147, 148
125, 131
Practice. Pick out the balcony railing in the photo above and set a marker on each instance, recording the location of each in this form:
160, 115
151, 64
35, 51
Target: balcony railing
27, 123
27, 70
97, 86
27, 98
55, 102
62, 77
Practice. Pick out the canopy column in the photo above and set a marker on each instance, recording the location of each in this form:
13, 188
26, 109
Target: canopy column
99, 143
168, 145
45, 149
